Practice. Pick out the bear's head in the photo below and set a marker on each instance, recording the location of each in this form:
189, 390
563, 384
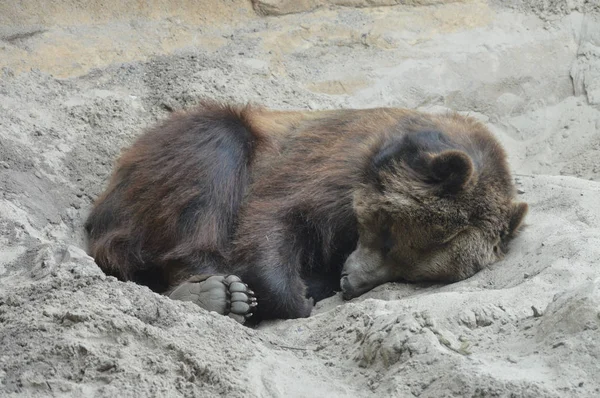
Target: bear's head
437, 204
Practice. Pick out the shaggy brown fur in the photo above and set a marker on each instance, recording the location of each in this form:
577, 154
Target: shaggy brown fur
292, 201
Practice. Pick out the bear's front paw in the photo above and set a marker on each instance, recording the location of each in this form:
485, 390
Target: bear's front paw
226, 295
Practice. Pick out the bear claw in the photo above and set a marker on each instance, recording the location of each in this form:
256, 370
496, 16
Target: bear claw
226, 295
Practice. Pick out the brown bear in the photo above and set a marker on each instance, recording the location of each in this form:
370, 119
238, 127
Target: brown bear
245, 210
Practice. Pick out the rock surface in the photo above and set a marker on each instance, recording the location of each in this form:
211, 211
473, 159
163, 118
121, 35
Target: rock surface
281, 7
80, 80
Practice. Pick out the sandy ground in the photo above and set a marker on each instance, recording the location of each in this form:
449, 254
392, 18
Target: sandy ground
77, 84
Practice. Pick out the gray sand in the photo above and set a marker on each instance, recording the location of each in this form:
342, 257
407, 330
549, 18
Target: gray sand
78, 82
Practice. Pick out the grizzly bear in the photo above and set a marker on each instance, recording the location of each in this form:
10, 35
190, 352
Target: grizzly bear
248, 211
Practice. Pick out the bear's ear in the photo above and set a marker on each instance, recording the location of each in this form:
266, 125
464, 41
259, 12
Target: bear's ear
518, 212
429, 157
452, 169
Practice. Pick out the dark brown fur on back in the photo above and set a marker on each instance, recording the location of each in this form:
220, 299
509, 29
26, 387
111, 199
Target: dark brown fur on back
173, 200
275, 197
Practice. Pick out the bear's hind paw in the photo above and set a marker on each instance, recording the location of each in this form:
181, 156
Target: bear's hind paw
226, 295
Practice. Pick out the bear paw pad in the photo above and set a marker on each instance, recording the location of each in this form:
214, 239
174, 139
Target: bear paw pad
226, 295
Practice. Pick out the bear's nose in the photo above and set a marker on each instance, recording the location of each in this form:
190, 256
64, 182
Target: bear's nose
347, 289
